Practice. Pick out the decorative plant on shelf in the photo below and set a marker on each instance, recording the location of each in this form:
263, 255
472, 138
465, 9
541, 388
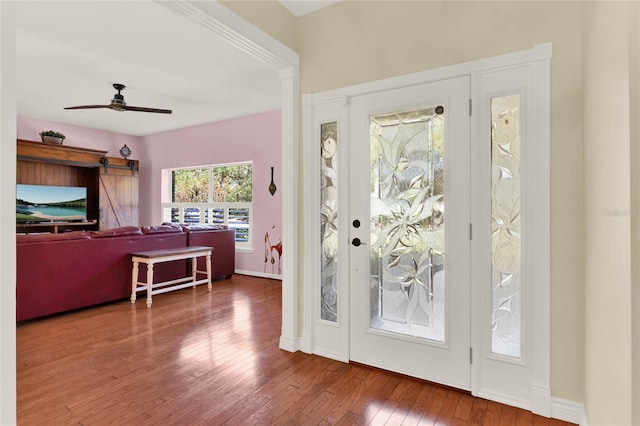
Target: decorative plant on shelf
52, 136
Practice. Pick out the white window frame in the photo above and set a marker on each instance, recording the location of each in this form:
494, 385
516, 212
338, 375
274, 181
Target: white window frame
166, 207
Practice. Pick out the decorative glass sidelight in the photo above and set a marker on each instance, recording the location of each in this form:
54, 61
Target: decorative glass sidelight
329, 222
407, 222
505, 226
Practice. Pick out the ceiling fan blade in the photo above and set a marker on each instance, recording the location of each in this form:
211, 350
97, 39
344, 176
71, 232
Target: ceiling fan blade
118, 103
144, 109
88, 106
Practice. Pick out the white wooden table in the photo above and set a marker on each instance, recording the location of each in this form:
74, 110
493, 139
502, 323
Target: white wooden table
152, 257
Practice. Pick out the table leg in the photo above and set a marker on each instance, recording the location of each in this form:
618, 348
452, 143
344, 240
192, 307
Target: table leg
209, 270
194, 268
149, 283
134, 281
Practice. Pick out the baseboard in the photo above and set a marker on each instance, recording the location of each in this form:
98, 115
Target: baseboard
505, 399
259, 274
305, 343
337, 356
287, 344
584, 421
541, 400
561, 409
569, 411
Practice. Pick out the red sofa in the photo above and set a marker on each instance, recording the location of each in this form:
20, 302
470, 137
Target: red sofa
224, 259
60, 272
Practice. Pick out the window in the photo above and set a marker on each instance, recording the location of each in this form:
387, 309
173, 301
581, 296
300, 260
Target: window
215, 194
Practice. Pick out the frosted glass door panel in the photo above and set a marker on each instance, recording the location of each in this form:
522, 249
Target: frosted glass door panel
408, 222
505, 218
329, 222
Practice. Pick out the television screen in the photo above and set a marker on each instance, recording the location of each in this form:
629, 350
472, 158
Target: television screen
45, 203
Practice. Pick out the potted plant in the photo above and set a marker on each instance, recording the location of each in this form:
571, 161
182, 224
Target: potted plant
51, 136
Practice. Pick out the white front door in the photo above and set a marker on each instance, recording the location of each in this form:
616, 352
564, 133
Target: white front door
409, 283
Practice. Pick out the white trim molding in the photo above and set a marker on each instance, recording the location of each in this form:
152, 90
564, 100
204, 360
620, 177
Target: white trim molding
258, 274
325, 338
289, 79
311, 187
245, 36
8, 411
569, 411
523, 380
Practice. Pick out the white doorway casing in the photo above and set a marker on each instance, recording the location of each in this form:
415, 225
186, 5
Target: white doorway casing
239, 33
524, 382
8, 398
216, 18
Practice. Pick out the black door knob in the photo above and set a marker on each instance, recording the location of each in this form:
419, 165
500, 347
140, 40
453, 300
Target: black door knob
356, 223
356, 242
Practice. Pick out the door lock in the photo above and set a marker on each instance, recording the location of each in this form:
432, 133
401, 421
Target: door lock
356, 242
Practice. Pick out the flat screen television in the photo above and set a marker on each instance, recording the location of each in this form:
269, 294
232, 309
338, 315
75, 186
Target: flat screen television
47, 203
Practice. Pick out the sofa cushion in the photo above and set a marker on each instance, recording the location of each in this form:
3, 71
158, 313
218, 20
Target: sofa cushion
38, 238
117, 232
161, 229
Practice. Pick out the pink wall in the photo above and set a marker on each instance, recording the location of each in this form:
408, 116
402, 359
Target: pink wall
30, 128
253, 138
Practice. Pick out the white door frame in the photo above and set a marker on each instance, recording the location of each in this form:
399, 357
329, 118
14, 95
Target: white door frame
331, 339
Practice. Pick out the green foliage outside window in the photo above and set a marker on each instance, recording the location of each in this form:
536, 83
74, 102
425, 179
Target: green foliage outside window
233, 183
191, 186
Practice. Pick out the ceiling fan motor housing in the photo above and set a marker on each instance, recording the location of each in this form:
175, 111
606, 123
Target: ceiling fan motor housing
118, 99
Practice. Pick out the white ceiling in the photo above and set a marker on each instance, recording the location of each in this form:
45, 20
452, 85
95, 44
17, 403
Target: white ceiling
70, 53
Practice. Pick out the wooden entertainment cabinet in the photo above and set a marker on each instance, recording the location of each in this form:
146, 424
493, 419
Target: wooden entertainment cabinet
111, 182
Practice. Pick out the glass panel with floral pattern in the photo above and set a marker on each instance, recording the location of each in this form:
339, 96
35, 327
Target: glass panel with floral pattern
407, 222
329, 222
505, 225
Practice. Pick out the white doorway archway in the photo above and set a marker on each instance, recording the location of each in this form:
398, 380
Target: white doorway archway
239, 33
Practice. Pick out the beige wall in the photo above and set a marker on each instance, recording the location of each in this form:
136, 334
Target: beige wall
607, 146
358, 41
269, 16
355, 42
634, 81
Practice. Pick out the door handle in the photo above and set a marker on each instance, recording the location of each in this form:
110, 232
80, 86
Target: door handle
356, 242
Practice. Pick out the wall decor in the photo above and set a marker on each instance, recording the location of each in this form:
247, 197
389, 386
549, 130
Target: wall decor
125, 151
272, 186
270, 252
51, 136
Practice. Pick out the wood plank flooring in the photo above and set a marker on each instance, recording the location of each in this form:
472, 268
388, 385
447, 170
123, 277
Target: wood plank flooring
212, 358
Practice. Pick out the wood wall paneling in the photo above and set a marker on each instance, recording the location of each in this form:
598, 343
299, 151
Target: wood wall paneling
112, 191
118, 201
39, 173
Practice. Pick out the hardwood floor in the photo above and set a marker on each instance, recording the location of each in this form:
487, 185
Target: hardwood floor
199, 357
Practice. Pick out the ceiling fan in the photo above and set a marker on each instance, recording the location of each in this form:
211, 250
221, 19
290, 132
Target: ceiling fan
118, 104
